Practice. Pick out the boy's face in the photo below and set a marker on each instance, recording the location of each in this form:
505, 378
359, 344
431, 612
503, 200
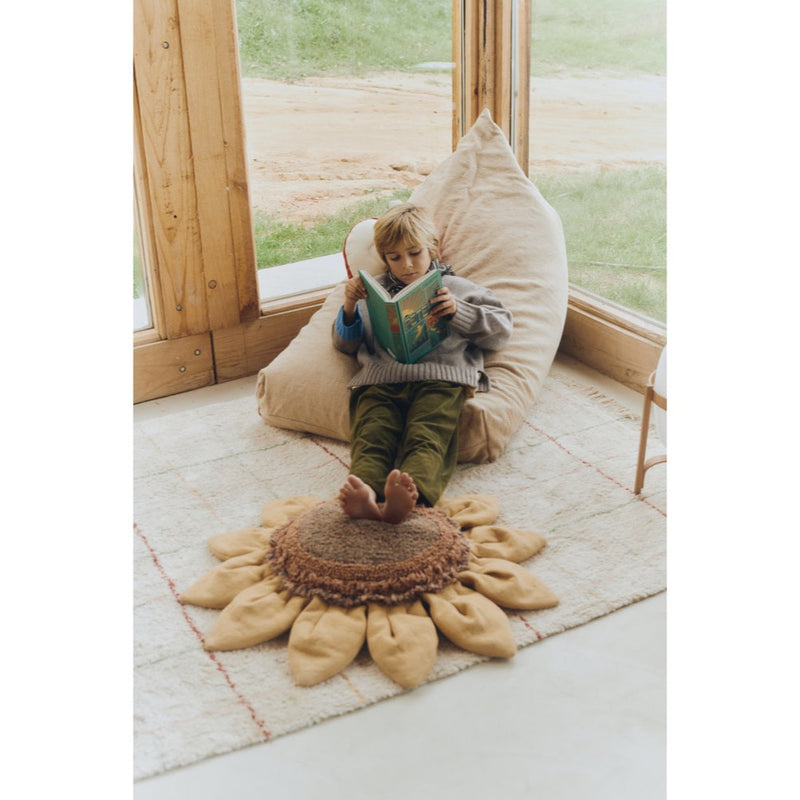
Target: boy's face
408, 262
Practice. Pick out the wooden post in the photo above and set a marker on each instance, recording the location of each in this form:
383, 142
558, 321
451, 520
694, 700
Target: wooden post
213, 92
491, 50
166, 144
191, 135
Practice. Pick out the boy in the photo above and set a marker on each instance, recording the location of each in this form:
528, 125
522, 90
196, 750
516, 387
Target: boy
410, 411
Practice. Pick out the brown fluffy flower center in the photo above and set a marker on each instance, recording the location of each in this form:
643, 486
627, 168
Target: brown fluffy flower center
349, 562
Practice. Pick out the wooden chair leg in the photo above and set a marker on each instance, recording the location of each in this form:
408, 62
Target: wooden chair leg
640, 467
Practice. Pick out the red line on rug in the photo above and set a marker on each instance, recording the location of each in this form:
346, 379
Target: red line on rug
353, 688
530, 627
267, 734
177, 471
595, 468
330, 453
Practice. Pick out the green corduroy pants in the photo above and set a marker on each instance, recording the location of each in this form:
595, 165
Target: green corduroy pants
413, 426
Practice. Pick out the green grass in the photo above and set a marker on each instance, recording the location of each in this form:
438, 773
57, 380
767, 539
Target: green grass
615, 229
279, 242
574, 36
290, 39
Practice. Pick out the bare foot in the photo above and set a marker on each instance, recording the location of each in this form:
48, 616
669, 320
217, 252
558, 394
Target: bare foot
401, 496
357, 500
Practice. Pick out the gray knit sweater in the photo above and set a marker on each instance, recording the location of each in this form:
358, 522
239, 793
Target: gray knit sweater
481, 322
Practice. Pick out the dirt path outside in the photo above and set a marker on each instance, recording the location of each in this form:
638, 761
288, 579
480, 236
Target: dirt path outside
317, 145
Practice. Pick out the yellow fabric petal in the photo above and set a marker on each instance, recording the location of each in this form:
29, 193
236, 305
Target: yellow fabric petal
470, 510
498, 541
324, 640
238, 543
279, 512
507, 584
256, 615
220, 585
402, 641
471, 621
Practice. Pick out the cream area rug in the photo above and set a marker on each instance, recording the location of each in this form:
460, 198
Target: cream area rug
567, 474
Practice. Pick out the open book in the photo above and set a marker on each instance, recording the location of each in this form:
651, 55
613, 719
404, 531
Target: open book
403, 324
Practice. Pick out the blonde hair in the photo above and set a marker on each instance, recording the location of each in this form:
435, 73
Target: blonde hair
405, 224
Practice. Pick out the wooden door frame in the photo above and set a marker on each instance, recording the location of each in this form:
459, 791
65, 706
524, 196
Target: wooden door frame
193, 202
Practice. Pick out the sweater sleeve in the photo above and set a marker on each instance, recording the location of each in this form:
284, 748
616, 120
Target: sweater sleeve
347, 338
480, 316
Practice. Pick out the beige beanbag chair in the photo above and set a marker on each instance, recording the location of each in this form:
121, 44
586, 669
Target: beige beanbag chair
495, 229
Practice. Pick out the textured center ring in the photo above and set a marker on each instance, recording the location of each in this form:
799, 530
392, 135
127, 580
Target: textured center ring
348, 562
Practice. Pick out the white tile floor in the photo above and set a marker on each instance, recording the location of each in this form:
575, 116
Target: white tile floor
576, 716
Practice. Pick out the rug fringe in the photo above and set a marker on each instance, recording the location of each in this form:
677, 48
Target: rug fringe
598, 396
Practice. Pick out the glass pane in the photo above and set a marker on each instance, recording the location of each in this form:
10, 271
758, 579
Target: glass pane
598, 141
347, 107
141, 303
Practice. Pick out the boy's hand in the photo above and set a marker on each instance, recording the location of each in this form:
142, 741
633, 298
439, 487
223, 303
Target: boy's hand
443, 304
353, 292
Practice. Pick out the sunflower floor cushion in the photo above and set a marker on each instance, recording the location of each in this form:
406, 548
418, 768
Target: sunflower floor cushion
335, 584
496, 229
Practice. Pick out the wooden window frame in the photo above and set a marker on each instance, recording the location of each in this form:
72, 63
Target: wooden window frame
193, 206
491, 53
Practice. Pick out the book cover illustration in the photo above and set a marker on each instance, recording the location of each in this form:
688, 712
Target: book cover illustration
403, 324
